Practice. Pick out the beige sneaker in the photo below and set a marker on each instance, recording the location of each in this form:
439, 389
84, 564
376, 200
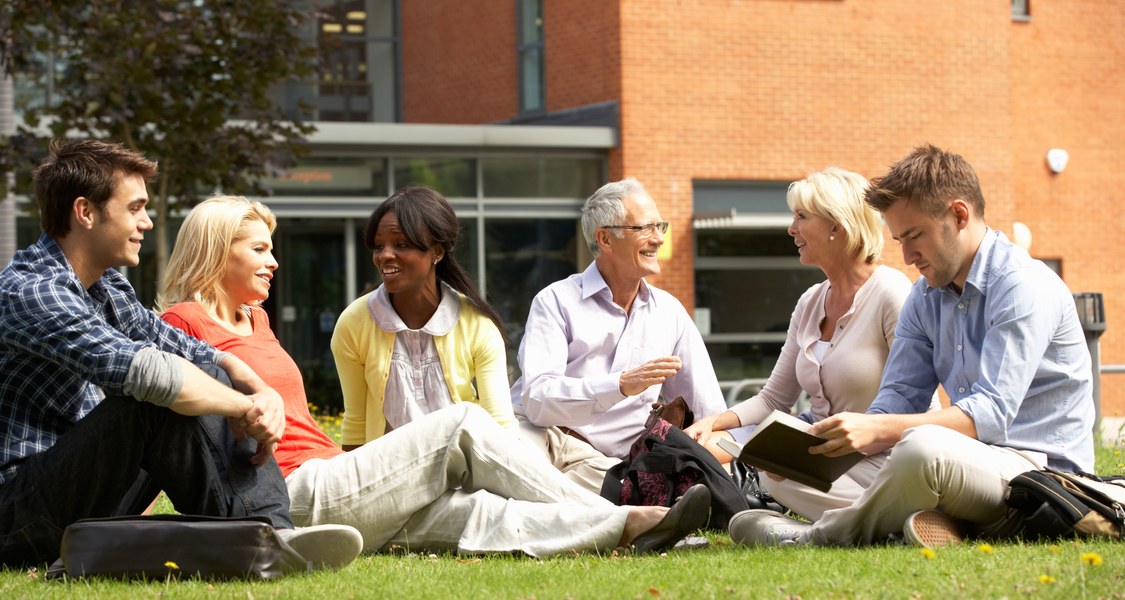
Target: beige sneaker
931, 528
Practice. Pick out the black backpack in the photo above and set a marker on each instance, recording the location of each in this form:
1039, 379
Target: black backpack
663, 464
1052, 504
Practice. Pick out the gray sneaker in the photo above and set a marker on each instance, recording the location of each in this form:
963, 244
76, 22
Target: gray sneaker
931, 528
324, 546
759, 527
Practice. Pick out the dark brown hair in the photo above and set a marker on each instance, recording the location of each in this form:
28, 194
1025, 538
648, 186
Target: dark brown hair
929, 178
427, 219
82, 168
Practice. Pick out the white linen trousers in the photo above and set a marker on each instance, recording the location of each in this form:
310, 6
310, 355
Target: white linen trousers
454, 481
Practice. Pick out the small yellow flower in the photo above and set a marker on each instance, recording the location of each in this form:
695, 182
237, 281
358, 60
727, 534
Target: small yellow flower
174, 567
927, 553
985, 548
1046, 579
1054, 549
1092, 558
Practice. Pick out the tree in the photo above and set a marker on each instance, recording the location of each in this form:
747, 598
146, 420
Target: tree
186, 82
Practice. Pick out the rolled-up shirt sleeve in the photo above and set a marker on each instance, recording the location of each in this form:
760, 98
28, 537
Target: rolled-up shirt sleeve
54, 320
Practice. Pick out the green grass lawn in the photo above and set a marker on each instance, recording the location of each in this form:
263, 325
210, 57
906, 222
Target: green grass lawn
1069, 569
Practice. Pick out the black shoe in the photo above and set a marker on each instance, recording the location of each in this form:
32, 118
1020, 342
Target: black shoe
689, 514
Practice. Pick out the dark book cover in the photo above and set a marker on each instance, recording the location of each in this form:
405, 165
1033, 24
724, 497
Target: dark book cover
780, 445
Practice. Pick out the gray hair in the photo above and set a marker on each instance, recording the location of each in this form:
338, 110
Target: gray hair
607, 207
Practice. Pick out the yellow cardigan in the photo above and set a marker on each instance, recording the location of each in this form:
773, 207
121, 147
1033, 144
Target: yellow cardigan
473, 350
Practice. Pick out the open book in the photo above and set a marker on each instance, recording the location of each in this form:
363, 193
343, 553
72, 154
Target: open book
780, 444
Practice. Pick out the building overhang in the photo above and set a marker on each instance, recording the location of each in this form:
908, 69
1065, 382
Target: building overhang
732, 219
425, 136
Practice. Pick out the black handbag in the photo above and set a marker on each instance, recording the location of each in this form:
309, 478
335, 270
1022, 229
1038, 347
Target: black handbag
1052, 504
158, 547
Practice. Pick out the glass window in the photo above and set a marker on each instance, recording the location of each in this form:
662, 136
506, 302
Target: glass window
747, 280
525, 255
1021, 9
531, 60
453, 177
746, 360
309, 299
332, 177
357, 76
541, 177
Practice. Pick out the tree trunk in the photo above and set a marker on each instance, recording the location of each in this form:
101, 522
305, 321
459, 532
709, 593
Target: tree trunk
8, 200
161, 224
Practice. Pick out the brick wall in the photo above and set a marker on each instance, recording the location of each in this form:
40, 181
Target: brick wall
1068, 91
754, 89
459, 61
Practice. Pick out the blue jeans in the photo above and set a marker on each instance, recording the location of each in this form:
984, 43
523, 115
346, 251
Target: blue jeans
114, 460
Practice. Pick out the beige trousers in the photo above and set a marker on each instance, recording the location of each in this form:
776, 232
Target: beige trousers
932, 467
578, 461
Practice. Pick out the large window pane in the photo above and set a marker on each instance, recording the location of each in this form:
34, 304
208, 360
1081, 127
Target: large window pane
357, 75
541, 177
329, 177
734, 361
523, 257
530, 50
452, 177
309, 297
752, 300
746, 242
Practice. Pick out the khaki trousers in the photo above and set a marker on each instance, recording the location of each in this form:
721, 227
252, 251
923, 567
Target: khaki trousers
932, 467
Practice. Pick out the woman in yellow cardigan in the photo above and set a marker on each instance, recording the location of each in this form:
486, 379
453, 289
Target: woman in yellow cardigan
425, 339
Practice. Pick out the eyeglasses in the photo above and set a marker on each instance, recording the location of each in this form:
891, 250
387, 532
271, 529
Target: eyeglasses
648, 230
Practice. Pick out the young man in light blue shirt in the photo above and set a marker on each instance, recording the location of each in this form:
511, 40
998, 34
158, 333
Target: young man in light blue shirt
999, 331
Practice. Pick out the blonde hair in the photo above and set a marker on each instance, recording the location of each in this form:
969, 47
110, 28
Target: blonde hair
837, 195
199, 259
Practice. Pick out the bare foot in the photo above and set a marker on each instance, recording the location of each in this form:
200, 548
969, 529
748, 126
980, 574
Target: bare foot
640, 520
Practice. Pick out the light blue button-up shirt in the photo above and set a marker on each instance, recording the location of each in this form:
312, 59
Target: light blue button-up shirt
1008, 350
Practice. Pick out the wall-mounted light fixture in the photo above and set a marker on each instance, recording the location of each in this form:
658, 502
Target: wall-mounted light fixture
1057, 159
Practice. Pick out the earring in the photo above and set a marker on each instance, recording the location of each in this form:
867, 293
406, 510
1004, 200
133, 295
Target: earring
831, 238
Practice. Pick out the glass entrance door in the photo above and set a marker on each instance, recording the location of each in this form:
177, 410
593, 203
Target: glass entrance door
311, 296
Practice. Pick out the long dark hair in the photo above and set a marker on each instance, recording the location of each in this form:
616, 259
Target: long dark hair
427, 219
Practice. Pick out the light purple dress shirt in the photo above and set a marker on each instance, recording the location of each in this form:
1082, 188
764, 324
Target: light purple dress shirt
578, 342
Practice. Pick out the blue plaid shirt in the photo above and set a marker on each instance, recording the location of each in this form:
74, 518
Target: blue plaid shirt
62, 346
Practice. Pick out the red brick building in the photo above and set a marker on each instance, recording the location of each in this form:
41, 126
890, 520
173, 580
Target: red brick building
752, 94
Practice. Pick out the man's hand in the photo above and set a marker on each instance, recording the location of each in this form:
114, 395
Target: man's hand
852, 432
264, 421
653, 372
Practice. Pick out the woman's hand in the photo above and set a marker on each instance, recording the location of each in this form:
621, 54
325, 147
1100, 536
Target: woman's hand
701, 430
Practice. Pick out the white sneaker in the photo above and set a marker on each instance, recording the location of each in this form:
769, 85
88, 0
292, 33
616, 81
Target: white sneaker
931, 528
761, 527
324, 546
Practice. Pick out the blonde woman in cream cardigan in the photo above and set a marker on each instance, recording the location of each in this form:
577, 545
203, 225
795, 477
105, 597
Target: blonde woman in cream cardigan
425, 339
839, 336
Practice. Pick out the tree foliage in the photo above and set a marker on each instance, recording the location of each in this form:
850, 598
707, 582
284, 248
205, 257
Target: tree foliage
186, 82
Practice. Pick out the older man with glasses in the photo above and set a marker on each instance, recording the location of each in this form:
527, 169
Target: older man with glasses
602, 345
